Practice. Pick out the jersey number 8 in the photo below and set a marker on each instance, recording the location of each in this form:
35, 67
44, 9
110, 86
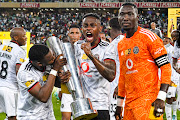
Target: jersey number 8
3, 72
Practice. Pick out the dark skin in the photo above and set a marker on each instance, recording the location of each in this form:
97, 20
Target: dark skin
174, 36
92, 25
43, 93
128, 19
18, 35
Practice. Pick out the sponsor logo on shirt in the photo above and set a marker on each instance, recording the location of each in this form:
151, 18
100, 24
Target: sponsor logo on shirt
130, 72
158, 51
7, 48
136, 50
129, 63
28, 83
85, 66
128, 51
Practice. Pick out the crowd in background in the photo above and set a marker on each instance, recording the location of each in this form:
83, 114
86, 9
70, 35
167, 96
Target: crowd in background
43, 24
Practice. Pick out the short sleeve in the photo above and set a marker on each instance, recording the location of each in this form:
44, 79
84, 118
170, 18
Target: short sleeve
21, 55
27, 80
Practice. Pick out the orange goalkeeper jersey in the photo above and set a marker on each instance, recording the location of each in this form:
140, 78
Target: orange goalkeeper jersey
140, 57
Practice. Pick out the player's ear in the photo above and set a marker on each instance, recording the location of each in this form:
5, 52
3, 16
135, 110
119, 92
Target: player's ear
15, 38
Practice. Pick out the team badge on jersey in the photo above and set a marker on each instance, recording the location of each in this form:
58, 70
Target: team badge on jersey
7, 48
85, 57
85, 66
136, 50
128, 51
129, 63
21, 60
28, 83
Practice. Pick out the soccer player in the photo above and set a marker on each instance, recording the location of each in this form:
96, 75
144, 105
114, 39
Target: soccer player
96, 73
166, 40
102, 36
11, 57
35, 85
114, 30
141, 53
74, 35
172, 90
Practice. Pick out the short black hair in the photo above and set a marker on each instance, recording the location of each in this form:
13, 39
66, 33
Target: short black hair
92, 15
131, 4
74, 26
37, 52
114, 23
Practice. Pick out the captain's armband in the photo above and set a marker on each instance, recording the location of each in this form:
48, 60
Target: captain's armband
162, 60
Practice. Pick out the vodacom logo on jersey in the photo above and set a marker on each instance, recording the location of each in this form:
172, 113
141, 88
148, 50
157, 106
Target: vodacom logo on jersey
85, 66
129, 63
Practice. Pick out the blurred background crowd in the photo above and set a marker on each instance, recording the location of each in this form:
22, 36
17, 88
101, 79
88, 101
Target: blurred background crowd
42, 23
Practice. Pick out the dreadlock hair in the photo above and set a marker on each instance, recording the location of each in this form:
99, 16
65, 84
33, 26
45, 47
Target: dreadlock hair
37, 52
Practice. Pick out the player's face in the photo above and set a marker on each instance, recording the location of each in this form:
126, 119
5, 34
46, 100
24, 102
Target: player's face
91, 28
22, 38
174, 36
127, 17
166, 41
49, 58
74, 35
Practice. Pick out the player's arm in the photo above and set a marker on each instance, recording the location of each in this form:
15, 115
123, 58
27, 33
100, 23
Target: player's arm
106, 69
121, 97
159, 54
17, 68
43, 93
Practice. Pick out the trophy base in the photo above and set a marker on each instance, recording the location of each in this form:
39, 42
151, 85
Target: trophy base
82, 109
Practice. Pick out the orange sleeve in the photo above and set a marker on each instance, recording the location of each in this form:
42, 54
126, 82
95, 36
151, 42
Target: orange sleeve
159, 54
121, 85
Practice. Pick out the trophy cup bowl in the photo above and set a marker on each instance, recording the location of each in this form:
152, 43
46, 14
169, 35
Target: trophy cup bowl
81, 107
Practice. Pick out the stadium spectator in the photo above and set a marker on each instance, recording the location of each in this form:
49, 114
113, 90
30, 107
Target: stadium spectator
11, 58
156, 30
171, 104
35, 86
95, 72
74, 34
139, 82
114, 31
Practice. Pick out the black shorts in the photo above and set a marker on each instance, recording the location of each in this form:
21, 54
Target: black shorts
102, 115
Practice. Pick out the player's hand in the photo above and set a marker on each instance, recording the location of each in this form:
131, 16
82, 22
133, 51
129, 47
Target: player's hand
64, 76
87, 48
59, 63
118, 113
115, 93
159, 106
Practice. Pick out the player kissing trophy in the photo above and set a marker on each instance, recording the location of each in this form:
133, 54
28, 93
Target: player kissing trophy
81, 107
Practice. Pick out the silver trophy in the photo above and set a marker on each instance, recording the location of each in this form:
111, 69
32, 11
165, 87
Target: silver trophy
81, 107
